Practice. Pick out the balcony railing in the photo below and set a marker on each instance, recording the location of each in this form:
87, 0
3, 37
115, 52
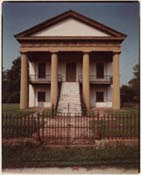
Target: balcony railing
45, 79
107, 79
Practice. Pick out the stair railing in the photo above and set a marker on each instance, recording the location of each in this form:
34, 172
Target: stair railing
59, 92
83, 106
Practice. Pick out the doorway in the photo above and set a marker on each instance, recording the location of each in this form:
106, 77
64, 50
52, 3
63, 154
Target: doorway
71, 72
99, 70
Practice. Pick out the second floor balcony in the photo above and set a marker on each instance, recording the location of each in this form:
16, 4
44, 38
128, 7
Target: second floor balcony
46, 79
105, 79
42, 79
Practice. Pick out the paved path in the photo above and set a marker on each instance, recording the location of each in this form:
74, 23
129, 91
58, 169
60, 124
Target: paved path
74, 170
64, 130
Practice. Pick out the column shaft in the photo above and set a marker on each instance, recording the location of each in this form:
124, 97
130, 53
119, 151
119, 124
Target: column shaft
116, 82
24, 82
86, 83
54, 78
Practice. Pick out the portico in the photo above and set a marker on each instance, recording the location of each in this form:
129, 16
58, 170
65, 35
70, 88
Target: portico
66, 54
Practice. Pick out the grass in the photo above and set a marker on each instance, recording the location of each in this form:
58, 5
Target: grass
116, 125
13, 109
123, 110
18, 126
29, 155
15, 123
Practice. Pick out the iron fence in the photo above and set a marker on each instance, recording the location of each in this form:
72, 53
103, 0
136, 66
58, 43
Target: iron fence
64, 129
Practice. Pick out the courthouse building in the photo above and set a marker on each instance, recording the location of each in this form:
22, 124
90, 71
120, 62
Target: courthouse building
70, 60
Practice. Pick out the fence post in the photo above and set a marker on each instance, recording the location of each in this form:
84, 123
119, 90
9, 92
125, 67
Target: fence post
99, 126
38, 123
68, 108
53, 110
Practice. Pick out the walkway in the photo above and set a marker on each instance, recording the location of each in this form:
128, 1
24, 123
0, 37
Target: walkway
67, 130
73, 170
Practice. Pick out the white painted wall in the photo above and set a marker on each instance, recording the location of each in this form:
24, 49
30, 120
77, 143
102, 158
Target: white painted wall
70, 27
108, 68
107, 96
31, 96
32, 68
47, 103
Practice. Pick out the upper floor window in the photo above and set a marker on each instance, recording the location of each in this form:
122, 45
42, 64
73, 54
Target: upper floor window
41, 70
100, 70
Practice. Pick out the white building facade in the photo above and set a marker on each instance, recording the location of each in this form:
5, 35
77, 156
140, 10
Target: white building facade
74, 49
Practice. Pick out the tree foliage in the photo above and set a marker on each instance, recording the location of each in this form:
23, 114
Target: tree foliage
11, 83
130, 92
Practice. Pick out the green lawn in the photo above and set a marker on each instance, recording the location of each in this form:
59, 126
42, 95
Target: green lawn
13, 109
116, 125
123, 110
16, 122
29, 155
18, 126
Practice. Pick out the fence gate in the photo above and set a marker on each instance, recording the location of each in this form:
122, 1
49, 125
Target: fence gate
66, 130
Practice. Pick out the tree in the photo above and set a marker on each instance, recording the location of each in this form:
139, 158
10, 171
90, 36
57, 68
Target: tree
130, 92
11, 83
135, 83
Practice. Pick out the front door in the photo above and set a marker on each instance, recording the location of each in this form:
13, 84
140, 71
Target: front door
71, 72
99, 70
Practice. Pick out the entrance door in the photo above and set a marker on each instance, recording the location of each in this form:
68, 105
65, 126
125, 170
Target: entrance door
99, 70
71, 72
41, 70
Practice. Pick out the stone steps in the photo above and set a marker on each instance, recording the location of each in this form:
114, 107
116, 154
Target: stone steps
69, 98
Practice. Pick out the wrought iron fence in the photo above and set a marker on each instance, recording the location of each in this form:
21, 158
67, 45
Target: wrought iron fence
71, 130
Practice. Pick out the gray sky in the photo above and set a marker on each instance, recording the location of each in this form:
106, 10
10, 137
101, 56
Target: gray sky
123, 17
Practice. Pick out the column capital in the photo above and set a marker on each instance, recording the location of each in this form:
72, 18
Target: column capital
21, 52
116, 52
86, 52
54, 52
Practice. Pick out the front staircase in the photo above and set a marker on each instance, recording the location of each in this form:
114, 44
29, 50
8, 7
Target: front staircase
69, 101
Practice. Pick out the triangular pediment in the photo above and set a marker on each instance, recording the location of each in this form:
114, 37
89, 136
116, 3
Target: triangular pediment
70, 27
70, 24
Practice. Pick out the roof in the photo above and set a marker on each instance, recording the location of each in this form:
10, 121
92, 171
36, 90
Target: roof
73, 14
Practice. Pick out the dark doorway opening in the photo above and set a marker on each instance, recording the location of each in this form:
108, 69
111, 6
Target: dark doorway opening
99, 70
71, 72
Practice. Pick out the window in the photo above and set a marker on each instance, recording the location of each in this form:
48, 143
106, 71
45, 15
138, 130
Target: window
41, 96
41, 70
99, 70
99, 96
